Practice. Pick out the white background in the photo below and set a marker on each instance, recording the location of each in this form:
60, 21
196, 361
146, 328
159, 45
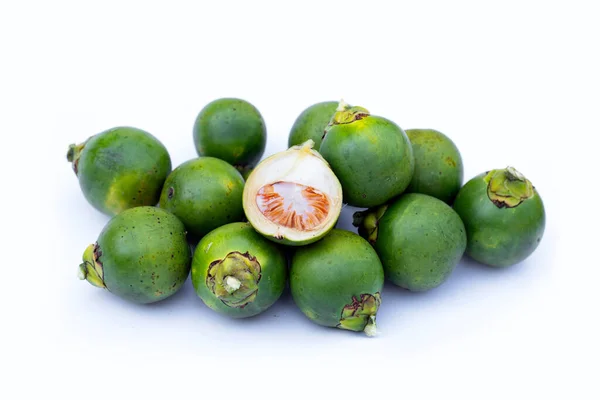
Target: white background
512, 83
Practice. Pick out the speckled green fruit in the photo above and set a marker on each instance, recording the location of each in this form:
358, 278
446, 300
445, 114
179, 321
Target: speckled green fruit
504, 216
419, 239
141, 255
232, 130
371, 156
237, 272
311, 124
204, 193
120, 168
337, 282
438, 165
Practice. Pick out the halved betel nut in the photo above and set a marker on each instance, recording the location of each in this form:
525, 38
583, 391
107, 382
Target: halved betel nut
293, 197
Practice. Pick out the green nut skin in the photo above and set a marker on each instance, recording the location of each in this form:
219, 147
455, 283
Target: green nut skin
311, 124
327, 276
120, 168
204, 193
232, 130
438, 165
141, 255
371, 156
262, 274
419, 239
499, 236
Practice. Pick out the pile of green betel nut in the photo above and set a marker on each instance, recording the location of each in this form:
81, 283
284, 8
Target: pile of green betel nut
259, 223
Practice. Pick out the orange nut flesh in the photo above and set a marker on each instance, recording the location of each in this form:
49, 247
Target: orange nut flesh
293, 205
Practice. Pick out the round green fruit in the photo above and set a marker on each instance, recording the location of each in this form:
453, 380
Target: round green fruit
237, 272
438, 165
141, 255
311, 124
504, 216
371, 156
419, 239
232, 130
337, 282
120, 168
293, 197
204, 193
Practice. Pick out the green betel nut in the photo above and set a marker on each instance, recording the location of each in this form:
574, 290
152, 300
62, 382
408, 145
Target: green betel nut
311, 124
204, 193
371, 156
237, 272
141, 255
504, 216
418, 238
232, 130
337, 282
438, 165
120, 168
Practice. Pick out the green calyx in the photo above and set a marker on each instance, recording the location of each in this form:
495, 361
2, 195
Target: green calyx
234, 279
508, 188
74, 153
360, 314
367, 222
91, 269
346, 114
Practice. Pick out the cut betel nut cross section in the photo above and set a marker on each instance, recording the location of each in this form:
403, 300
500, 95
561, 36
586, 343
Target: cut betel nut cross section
293, 196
